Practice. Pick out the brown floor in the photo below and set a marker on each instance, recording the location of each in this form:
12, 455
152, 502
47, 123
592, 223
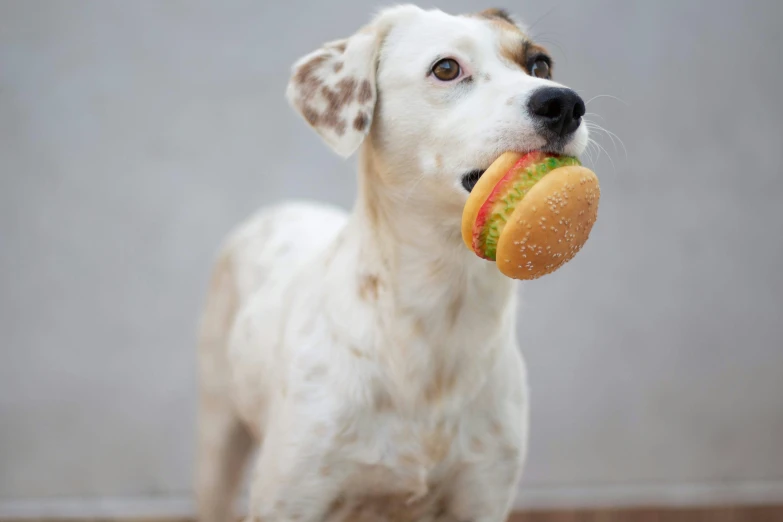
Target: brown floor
727, 514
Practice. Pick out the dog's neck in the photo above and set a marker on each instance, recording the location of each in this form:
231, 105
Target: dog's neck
443, 308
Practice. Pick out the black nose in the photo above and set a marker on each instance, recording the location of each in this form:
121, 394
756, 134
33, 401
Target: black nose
557, 110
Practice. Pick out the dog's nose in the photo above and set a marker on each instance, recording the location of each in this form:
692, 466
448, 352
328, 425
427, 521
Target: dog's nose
557, 109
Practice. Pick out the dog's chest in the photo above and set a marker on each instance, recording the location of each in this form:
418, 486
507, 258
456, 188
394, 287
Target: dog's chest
409, 456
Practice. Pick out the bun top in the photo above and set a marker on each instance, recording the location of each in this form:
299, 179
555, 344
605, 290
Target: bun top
551, 225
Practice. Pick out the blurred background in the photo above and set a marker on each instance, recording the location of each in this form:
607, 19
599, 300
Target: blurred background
134, 135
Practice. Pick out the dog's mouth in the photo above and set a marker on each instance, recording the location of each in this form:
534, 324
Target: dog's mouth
470, 179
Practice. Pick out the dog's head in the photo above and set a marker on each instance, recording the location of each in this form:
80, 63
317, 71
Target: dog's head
441, 96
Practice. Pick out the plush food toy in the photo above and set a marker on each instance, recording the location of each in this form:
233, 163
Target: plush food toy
531, 213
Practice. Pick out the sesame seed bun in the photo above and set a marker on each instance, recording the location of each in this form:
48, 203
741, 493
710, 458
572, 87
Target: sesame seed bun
550, 225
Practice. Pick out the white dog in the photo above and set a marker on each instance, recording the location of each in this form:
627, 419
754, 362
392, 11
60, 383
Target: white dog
370, 357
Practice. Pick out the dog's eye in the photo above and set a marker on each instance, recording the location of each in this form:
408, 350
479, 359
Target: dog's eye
446, 69
540, 69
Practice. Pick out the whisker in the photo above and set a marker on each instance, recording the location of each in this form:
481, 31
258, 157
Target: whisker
594, 114
548, 40
530, 28
614, 169
608, 96
594, 126
612, 136
595, 152
614, 143
588, 154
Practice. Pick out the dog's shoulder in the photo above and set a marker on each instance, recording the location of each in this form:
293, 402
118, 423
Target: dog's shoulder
276, 241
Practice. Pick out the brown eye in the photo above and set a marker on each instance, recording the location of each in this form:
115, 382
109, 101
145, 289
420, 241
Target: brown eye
540, 69
446, 69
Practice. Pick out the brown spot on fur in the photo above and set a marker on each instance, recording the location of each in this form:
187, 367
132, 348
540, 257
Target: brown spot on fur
331, 120
325, 470
496, 13
365, 92
310, 115
340, 46
502, 22
335, 507
441, 384
513, 50
345, 91
438, 268
223, 298
515, 46
308, 89
436, 445
306, 70
369, 182
356, 352
509, 452
306, 78
336, 100
438, 161
455, 307
476, 444
368, 287
520, 51
418, 327
360, 122
495, 428
382, 401
442, 509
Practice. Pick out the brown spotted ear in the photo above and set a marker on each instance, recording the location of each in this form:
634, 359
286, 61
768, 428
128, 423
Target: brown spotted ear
333, 88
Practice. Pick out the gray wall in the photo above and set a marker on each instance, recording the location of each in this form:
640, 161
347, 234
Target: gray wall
133, 135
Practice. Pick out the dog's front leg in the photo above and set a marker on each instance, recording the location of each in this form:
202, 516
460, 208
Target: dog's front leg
291, 480
484, 491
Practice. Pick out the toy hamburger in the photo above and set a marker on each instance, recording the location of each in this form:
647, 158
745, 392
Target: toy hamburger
531, 213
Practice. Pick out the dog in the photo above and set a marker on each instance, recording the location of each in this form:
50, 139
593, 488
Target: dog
367, 361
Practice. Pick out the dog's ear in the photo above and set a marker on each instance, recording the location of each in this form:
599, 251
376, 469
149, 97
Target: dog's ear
333, 88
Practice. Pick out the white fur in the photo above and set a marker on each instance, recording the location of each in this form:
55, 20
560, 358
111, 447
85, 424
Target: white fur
371, 355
